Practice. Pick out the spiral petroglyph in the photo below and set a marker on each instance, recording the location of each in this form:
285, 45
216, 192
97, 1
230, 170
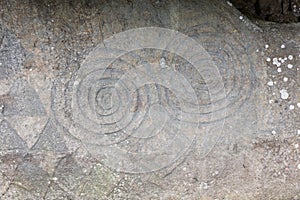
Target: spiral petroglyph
132, 102
232, 54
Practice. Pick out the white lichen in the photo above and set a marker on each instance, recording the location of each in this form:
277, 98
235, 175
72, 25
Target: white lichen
229, 3
162, 63
284, 94
270, 83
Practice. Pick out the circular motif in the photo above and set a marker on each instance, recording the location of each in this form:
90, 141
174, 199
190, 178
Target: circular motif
134, 109
231, 51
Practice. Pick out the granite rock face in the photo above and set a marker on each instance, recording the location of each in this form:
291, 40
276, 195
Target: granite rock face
148, 100
12, 54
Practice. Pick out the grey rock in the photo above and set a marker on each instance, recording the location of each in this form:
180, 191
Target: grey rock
12, 54
50, 140
22, 100
9, 139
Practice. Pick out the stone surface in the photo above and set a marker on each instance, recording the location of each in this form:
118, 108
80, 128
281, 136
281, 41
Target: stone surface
147, 100
12, 54
21, 100
50, 140
9, 139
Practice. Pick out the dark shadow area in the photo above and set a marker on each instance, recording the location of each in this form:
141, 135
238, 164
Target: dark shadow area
282, 11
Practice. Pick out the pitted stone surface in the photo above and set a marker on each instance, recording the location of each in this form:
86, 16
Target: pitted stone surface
146, 100
51, 140
10, 140
12, 54
21, 100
